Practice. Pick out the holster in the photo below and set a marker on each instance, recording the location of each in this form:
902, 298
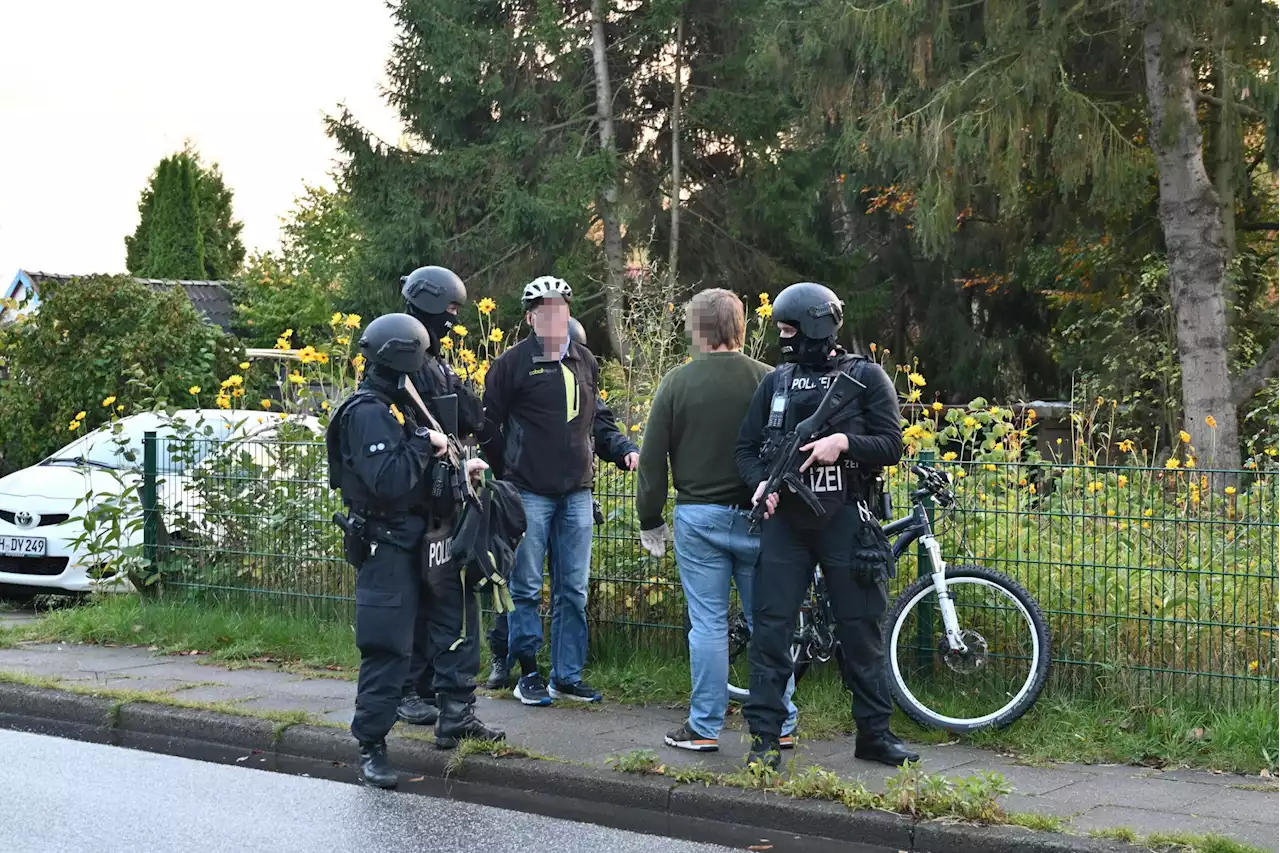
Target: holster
872, 555
355, 539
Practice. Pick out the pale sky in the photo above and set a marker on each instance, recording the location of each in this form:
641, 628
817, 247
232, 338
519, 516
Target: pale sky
93, 94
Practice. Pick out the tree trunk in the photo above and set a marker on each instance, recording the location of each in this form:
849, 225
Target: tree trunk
1191, 217
607, 202
673, 253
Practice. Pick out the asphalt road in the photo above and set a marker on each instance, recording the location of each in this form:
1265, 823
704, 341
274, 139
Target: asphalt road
62, 796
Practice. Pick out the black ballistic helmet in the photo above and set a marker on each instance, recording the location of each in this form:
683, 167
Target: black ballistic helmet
430, 290
577, 334
813, 309
395, 343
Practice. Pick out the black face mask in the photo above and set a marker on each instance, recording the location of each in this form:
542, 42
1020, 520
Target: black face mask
439, 325
811, 352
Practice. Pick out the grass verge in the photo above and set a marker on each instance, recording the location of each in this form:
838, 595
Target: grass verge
1098, 730
913, 793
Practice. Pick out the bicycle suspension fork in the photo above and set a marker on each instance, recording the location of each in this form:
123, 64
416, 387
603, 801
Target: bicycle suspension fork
950, 623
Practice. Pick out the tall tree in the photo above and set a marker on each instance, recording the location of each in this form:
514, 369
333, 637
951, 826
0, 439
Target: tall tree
976, 107
181, 182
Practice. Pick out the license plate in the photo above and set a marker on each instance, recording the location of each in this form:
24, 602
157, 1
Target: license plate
23, 546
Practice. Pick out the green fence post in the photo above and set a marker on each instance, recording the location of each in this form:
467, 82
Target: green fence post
924, 568
149, 509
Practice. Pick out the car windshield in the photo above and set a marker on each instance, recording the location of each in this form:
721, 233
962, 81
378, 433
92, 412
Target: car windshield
120, 446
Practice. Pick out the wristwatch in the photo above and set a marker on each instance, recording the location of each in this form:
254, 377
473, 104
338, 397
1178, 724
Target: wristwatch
423, 432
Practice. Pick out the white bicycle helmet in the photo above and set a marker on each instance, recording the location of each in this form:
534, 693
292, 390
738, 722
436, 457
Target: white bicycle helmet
544, 286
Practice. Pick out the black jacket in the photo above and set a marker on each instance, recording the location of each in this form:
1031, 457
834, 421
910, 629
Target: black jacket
545, 419
437, 379
382, 468
873, 422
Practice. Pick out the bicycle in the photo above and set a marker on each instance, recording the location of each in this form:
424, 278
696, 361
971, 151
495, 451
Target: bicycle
933, 674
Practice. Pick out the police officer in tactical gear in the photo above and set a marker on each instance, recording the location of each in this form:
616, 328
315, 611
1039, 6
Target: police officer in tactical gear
396, 535
841, 471
433, 295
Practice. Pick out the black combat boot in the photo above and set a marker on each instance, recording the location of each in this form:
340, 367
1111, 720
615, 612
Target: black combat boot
458, 720
765, 750
883, 747
375, 769
499, 675
416, 710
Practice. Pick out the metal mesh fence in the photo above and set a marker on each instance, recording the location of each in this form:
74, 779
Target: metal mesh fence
1156, 581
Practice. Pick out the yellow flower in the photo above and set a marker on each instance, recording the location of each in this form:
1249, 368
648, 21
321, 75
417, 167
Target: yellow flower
486, 306
193, 390
296, 378
120, 407
344, 340
335, 319
995, 410
764, 300
916, 379
496, 335
1146, 525
108, 401
282, 343
80, 416
914, 395
765, 311
989, 467
1031, 414
223, 401
358, 362
1212, 422
324, 404
635, 427
447, 343
604, 394
286, 334
233, 381
937, 407
1191, 462
1096, 486
1126, 446
1031, 488
1271, 451
74, 425
265, 403
244, 365
237, 392
1172, 463
1230, 490
468, 357
1122, 481
353, 321
1022, 482
961, 475
949, 456
1253, 666
1147, 512
1111, 513
1185, 436
971, 422
460, 331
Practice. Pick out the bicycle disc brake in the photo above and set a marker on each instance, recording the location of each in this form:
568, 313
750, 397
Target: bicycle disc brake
969, 661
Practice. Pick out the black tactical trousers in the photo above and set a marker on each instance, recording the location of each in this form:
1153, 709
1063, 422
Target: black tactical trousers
783, 576
388, 589
422, 671
390, 593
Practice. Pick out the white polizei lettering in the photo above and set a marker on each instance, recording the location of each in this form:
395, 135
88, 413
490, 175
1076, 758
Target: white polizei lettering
439, 553
826, 479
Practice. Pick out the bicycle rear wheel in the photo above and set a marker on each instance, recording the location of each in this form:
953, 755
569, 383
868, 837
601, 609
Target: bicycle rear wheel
996, 680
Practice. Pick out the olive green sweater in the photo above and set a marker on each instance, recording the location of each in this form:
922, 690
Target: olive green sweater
694, 421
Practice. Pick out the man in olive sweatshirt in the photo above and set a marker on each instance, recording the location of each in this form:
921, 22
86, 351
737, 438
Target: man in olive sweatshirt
693, 421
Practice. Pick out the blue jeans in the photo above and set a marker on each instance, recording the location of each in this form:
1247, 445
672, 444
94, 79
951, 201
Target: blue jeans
712, 547
566, 522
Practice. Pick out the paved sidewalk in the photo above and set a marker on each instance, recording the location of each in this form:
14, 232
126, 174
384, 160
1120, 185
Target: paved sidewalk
1090, 797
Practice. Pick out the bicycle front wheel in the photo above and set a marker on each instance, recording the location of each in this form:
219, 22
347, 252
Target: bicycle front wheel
1000, 674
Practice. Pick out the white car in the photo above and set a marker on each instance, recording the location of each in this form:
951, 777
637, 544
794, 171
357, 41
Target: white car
38, 505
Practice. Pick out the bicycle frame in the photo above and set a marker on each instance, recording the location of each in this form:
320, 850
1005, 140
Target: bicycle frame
916, 527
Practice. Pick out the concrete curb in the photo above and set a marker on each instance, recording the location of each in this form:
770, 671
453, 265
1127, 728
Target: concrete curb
649, 804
